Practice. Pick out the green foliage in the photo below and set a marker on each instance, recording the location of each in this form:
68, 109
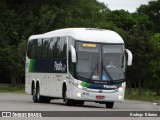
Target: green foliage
153, 80
7, 88
20, 19
152, 11
147, 95
122, 19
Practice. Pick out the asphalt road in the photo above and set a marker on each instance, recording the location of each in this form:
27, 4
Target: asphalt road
23, 102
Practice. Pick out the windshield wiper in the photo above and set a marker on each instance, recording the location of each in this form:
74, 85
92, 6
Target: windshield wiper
109, 76
83, 78
93, 71
90, 78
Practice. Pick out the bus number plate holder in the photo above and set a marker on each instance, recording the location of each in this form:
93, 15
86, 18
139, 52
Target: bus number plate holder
100, 97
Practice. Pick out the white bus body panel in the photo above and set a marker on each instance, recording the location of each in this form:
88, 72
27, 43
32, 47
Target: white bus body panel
84, 34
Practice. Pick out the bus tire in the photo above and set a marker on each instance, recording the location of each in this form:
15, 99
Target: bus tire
34, 95
79, 102
67, 101
39, 98
109, 104
46, 99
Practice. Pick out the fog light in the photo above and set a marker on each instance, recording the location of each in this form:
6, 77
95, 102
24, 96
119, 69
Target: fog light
119, 97
79, 94
80, 86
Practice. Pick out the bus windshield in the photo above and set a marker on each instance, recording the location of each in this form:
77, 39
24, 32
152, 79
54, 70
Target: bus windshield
99, 62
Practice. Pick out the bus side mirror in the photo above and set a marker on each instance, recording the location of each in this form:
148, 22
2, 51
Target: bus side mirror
130, 57
73, 54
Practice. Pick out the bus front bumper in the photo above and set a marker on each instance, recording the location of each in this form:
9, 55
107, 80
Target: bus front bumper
96, 95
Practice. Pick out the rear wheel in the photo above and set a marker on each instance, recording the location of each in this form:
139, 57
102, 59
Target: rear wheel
34, 95
109, 104
38, 94
38, 98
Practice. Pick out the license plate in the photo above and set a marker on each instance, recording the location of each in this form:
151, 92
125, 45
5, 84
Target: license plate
100, 97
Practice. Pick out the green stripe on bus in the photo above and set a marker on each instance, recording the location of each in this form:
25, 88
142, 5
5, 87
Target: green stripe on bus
32, 65
85, 84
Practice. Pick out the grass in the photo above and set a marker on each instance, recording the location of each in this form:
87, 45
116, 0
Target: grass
8, 88
147, 95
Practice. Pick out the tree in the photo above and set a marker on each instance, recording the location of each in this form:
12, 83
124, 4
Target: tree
153, 80
151, 10
122, 19
138, 42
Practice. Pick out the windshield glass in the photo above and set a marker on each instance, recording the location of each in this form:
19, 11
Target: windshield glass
113, 62
88, 60
98, 62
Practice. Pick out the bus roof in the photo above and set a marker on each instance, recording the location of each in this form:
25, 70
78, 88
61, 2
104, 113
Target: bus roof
84, 34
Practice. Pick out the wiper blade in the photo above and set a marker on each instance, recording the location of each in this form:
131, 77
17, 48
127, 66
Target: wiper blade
93, 71
108, 74
83, 78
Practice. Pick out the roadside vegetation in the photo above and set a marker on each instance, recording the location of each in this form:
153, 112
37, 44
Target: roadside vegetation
8, 88
147, 95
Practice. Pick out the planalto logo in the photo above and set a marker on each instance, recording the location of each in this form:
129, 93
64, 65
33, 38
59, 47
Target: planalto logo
108, 86
59, 66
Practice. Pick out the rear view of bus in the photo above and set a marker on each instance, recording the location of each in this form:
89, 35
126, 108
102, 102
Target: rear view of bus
95, 61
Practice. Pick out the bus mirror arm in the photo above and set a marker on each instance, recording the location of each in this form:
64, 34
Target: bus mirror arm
130, 57
73, 54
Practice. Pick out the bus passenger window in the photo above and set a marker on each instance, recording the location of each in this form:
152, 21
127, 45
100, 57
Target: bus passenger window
52, 52
39, 48
45, 48
32, 46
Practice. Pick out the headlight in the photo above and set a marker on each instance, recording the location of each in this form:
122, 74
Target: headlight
120, 89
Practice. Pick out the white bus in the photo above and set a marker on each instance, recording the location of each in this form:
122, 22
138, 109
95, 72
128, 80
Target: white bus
77, 65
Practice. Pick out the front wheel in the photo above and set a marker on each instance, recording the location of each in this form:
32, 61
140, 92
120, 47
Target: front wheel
67, 101
79, 103
109, 104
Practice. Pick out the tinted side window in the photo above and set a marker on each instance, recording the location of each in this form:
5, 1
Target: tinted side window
32, 47
39, 48
29, 49
45, 48
64, 50
62, 46
57, 47
52, 52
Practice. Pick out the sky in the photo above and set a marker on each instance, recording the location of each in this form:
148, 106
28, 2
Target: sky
128, 5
